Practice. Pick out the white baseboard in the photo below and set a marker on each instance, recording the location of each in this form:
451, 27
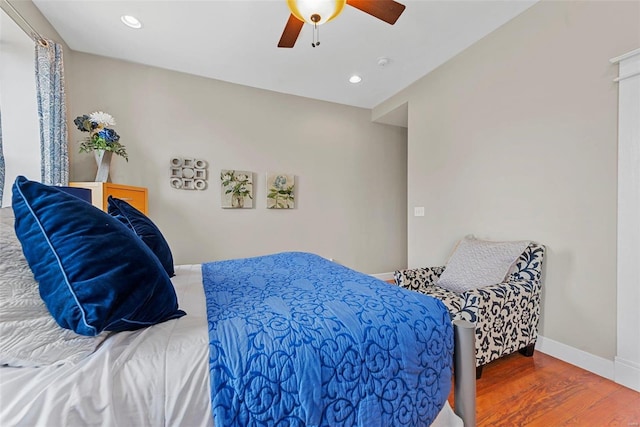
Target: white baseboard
595, 364
623, 372
627, 373
383, 276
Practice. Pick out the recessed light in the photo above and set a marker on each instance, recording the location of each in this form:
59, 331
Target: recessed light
131, 21
355, 79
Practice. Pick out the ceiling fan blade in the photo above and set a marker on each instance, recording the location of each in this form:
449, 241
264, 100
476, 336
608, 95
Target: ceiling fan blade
291, 32
387, 10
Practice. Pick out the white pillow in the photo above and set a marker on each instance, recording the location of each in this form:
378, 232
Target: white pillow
29, 336
479, 263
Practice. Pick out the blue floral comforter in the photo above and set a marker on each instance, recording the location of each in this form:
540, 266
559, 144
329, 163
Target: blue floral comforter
297, 340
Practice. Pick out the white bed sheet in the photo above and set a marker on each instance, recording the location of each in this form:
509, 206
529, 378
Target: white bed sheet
158, 376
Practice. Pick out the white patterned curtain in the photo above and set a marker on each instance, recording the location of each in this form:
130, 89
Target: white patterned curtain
52, 113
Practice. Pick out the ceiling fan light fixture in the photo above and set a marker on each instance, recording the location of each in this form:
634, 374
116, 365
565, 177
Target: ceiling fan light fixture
316, 12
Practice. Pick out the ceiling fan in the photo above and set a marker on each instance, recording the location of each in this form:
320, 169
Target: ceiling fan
317, 12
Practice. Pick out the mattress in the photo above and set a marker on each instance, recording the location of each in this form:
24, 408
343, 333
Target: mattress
158, 376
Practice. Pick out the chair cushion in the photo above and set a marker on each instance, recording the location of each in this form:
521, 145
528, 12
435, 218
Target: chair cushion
140, 224
94, 274
452, 300
478, 263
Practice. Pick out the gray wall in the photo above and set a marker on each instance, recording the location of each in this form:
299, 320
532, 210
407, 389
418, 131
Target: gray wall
516, 138
351, 173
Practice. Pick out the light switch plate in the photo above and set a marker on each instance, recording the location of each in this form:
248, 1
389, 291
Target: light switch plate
418, 211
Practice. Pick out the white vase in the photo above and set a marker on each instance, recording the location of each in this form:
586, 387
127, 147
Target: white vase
103, 160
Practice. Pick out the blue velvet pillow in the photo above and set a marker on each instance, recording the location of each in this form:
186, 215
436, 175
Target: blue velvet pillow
145, 229
93, 273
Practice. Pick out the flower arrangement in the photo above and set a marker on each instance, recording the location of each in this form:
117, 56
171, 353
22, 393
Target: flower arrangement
100, 136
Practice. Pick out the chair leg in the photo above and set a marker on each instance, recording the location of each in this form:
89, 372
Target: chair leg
479, 371
528, 350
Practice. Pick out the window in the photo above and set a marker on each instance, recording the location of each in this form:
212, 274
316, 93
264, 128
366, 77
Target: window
18, 104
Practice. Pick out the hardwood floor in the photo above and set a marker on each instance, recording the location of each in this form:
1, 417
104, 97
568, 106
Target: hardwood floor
543, 391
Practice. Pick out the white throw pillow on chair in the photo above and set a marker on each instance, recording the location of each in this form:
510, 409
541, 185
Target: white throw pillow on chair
478, 263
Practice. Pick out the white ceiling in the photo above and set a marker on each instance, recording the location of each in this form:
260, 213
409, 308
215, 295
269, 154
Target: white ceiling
235, 41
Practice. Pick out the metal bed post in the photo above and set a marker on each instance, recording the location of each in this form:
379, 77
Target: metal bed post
465, 372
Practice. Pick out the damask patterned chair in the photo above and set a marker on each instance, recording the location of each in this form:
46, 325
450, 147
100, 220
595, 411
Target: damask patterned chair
505, 314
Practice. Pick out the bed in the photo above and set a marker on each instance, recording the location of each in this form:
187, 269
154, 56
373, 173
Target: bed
285, 339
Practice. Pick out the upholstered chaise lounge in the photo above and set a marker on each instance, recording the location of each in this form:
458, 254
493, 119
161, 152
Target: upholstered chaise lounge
505, 314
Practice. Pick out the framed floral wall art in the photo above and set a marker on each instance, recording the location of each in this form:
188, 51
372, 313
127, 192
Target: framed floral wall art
236, 189
280, 191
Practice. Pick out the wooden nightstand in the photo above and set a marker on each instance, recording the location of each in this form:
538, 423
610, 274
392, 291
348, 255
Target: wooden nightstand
100, 191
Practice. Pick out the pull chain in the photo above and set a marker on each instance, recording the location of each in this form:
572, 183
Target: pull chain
315, 18
316, 36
